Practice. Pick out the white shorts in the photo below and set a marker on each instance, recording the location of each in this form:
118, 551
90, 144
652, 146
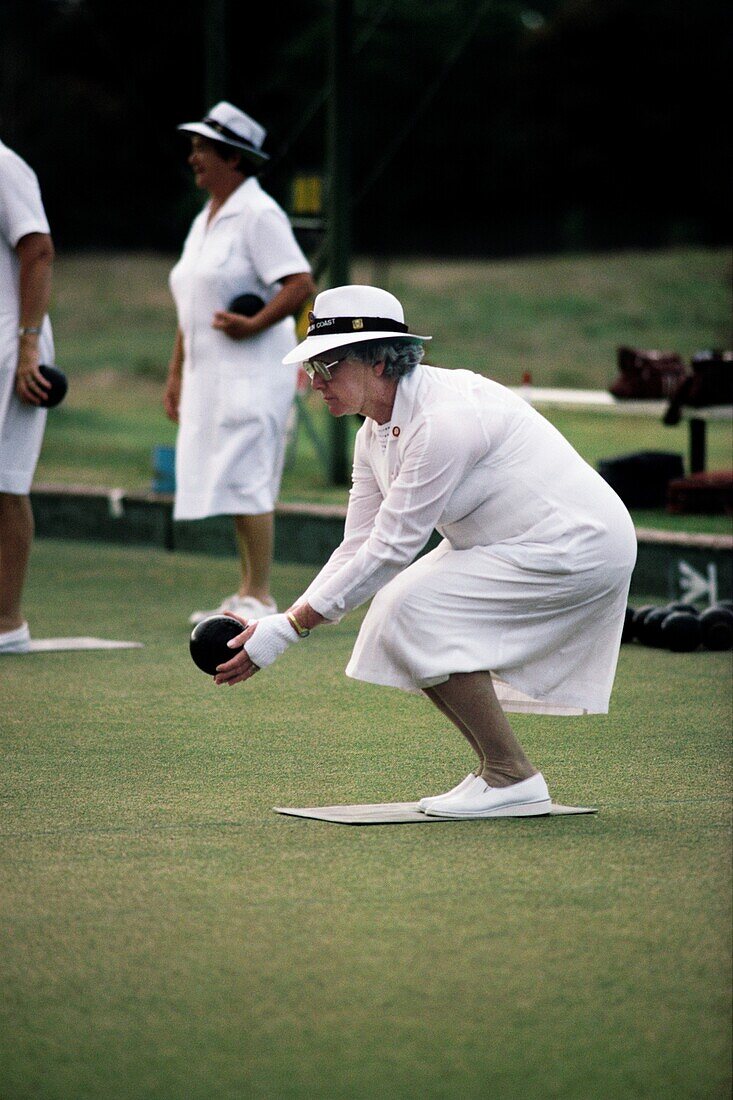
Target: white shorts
21, 435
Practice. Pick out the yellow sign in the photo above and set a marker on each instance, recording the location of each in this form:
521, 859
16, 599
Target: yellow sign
307, 195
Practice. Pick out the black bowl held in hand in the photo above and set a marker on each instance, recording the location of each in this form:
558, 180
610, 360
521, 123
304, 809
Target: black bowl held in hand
59, 386
208, 643
246, 304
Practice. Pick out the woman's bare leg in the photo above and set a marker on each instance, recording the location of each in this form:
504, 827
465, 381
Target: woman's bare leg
16, 539
255, 539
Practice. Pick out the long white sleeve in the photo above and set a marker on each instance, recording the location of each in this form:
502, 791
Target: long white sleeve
384, 534
365, 498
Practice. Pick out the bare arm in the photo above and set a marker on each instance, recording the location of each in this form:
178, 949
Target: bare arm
35, 255
295, 290
172, 395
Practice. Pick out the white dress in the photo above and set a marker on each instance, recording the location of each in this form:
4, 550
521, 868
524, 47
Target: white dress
531, 579
236, 394
21, 425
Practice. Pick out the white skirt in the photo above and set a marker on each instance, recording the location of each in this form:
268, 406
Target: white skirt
550, 639
230, 447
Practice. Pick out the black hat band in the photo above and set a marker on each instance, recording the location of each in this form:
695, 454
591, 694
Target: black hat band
231, 135
324, 326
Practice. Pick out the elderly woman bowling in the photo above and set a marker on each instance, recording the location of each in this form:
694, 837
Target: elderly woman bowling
519, 608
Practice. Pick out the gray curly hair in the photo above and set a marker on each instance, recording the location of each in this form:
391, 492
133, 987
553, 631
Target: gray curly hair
400, 357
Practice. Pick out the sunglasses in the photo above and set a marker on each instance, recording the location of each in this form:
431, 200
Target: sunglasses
317, 366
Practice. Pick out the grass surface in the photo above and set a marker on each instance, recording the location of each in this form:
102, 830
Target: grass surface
167, 935
561, 319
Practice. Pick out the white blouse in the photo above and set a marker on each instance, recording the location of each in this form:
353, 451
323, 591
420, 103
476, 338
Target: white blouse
471, 459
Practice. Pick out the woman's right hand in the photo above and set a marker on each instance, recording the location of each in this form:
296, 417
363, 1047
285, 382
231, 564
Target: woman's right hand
172, 397
30, 385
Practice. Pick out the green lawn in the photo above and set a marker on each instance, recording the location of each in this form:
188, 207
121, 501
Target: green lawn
166, 935
561, 319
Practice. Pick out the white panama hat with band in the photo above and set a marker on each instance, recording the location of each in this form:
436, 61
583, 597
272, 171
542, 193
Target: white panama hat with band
348, 315
227, 124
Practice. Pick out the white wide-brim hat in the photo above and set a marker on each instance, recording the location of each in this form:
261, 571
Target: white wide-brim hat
226, 123
350, 315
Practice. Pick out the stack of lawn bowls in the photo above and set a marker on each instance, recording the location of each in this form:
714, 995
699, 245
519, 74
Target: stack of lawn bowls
681, 627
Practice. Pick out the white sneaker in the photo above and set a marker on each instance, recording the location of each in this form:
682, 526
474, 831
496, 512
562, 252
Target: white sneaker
530, 798
16, 641
425, 803
246, 606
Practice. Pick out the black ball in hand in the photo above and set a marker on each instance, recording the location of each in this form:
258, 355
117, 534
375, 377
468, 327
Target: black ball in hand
59, 386
208, 643
246, 304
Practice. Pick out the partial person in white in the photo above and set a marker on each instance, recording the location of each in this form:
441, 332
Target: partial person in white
227, 388
521, 605
26, 341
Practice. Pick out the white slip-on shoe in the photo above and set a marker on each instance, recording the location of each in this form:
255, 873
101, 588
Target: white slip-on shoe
16, 641
530, 798
250, 608
246, 606
225, 605
425, 803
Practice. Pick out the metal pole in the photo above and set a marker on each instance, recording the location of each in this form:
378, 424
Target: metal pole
339, 191
215, 53
698, 448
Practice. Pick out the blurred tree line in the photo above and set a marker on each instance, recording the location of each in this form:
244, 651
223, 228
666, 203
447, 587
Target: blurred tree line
494, 128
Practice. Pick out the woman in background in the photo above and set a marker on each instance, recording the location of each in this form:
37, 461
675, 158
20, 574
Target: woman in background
26, 341
227, 388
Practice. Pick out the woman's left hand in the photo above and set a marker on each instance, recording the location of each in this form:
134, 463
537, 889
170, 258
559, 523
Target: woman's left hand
234, 325
241, 666
269, 638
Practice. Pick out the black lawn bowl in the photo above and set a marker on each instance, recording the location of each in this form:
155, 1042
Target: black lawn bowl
650, 630
59, 386
639, 616
208, 643
627, 634
681, 632
687, 607
246, 304
717, 628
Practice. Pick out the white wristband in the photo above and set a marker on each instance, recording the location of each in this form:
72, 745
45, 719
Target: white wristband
271, 638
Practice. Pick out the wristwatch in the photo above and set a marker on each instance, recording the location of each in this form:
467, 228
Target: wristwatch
29, 330
301, 631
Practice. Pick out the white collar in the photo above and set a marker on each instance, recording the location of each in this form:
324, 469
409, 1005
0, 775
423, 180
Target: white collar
404, 402
237, 201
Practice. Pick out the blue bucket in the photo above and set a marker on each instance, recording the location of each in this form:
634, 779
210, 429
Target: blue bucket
164, 469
